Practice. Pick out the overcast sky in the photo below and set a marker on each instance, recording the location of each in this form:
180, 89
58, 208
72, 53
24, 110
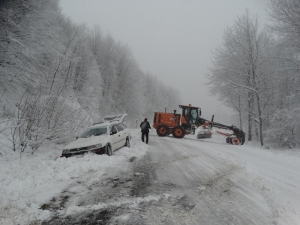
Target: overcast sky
171, 39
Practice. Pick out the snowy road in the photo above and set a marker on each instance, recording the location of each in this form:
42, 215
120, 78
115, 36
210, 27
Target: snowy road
189, 181
208, 183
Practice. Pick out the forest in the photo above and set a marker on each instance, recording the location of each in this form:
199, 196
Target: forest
256, 73
58, 77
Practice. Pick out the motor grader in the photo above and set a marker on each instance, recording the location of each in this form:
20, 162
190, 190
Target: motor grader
188, 121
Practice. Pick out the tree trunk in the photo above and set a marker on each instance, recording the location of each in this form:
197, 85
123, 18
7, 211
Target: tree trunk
241, 121
256, 127
250, 108
260, 120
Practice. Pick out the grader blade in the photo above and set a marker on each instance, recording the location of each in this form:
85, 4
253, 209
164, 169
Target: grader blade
204, 134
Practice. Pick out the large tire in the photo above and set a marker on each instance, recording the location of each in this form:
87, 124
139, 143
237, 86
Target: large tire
235, 141
242, 140
162, 130
108, 151
178, 132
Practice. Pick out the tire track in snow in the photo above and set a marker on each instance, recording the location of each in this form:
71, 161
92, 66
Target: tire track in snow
217, 188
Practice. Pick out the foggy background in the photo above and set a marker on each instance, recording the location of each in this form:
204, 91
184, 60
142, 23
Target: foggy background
171, 39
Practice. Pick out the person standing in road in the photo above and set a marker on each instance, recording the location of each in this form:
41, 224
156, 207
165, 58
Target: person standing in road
145, 126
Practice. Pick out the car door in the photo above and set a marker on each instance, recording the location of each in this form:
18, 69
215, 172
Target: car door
122, 133
114, 137
125, 131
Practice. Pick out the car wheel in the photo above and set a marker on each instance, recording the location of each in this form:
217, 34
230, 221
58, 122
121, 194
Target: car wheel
127, 143
108, 150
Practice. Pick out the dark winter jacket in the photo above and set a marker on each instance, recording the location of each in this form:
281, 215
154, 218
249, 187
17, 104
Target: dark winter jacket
145, 126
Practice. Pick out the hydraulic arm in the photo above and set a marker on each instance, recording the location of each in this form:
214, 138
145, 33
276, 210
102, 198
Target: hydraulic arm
236, 138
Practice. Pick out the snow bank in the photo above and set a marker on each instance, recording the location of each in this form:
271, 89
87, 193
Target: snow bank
29, 181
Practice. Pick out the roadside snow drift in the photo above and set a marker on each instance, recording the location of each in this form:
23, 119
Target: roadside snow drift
31, 180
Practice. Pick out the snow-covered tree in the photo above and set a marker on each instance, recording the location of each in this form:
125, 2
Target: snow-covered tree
242, 73
284, 124
58, 77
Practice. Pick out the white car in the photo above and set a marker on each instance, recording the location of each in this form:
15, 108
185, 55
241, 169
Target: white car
105, 137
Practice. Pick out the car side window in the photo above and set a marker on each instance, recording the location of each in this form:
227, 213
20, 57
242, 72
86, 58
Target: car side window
123, 125
119, 127
114, 129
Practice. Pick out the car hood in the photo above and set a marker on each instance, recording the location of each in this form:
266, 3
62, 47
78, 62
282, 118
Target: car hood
85, 142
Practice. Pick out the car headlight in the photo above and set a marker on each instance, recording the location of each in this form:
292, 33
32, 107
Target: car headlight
95, 146
66, 151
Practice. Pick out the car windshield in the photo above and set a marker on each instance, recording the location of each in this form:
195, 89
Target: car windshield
95, 131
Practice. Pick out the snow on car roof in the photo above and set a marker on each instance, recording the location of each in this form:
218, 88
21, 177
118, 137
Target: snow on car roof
107, 120
119, 118
103, 124
100, 125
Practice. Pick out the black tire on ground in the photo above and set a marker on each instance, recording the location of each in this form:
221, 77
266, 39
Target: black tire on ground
108, 150
162, 130
127, 143
242, 140
178, 132
227, 140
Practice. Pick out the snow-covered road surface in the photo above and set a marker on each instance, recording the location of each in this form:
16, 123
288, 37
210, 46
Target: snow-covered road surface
176, 181
210, 182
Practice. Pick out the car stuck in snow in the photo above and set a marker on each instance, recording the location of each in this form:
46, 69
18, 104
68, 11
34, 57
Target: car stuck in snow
104, 137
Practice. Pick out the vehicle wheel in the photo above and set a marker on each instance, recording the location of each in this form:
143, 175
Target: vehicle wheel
127, 143
162, 130
178, 132
235, 141
108, 150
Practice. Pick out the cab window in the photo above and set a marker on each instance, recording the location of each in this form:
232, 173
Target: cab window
194, 115
186, 112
